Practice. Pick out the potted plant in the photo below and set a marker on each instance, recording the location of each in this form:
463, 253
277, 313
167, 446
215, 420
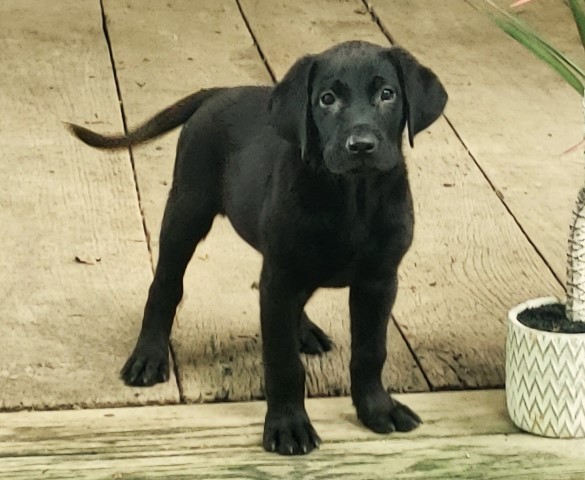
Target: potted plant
545, 347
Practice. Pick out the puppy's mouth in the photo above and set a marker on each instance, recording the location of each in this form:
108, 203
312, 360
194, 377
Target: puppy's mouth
362, 169
367, 166
340, 163
359, 169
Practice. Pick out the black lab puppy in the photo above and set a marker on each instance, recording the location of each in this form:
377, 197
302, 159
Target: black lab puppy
311, 174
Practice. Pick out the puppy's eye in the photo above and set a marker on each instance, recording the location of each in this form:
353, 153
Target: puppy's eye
387, 95
327, 99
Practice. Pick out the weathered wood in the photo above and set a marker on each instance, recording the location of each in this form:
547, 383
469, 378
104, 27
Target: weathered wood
66, 326
513, 112
465, 435
217, 335
56, 67
469, 262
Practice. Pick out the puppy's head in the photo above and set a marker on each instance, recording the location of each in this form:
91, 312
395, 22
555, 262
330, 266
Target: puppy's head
347, 107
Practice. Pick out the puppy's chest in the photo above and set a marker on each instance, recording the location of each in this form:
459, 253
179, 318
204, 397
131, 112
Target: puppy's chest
335, 247
331, 232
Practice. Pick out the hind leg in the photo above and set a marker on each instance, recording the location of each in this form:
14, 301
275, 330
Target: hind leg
313, 340
187, 219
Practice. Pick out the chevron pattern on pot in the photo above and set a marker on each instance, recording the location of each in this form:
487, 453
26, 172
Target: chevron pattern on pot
545, 381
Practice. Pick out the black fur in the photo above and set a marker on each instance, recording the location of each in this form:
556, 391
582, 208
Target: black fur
311, 174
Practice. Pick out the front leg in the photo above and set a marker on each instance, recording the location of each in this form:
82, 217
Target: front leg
287, 428
370, 306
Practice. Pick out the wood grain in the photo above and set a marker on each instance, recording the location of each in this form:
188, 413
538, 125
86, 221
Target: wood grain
465, 435
66, 326
217, 332
469, 262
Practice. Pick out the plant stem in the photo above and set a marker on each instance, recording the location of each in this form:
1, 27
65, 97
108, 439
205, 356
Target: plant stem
575, 310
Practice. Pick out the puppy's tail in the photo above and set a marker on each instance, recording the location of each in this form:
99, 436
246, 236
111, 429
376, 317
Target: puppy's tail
169, 118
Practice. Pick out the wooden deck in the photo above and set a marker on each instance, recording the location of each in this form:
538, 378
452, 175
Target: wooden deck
466, 435
493, 198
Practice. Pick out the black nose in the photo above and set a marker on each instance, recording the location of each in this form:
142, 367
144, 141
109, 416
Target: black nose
362, 143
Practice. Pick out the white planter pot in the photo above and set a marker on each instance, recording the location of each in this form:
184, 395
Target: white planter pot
545, 377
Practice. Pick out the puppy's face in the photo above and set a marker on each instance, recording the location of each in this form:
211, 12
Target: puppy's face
357, 109
346, 108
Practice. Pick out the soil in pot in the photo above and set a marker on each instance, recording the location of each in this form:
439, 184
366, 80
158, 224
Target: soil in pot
550, 318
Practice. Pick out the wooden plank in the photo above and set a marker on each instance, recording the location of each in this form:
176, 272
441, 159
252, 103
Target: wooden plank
469, 262
66, 326
489, 457
217, 334
465, 435
515, 115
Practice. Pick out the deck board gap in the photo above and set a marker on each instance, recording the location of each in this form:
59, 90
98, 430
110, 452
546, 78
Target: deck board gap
139, 201
125, 124
378, 21
413, 353
503, 202
256, 42
175, 362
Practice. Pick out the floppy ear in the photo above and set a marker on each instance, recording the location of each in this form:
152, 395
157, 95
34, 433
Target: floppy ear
290, 104
424, 95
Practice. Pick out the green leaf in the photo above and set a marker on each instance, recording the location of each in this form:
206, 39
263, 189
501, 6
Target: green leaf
579, 16
531, 40
544, 52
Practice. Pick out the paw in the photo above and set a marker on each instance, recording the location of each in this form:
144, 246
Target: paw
314, 341
289, 434
385, 415
147, 365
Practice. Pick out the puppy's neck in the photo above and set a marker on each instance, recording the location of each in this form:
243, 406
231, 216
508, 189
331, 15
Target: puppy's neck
318, 188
